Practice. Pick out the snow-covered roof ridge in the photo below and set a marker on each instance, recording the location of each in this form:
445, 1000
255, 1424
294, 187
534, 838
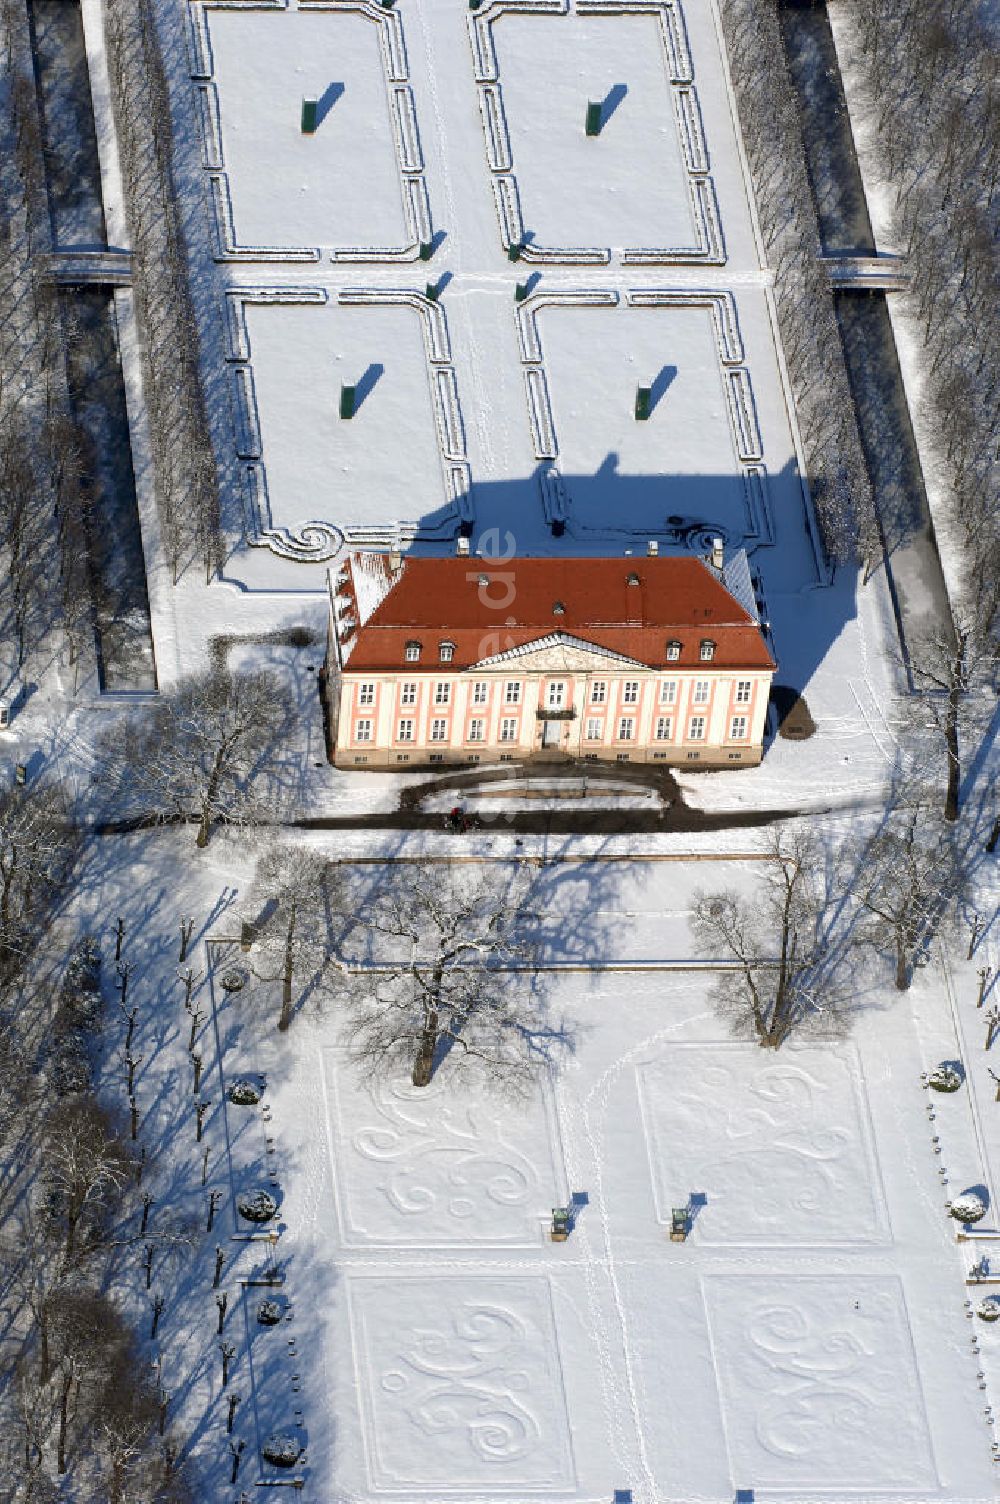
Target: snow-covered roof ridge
738, 581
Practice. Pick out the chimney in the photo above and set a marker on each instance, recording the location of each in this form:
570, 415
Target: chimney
652, 548
395, 561
717, 554
462, 547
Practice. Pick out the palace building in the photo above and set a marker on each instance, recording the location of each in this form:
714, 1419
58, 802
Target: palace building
469, 660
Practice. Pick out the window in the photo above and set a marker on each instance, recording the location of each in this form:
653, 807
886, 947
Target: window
363, 731
593, 732
557, 694
738, 728
476, 728
700, 696
508, 729
626, 726
412, 654
366, 694
696, 730
438, 730
408, 694
743, 688
664, 728
405, 732
707, 651
447, 651
479, 693
631, 692
668, 692
439, 757
442, 693
598, 692
512, 694
673, 651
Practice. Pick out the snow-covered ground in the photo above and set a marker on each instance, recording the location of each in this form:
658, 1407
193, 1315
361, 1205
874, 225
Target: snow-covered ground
809, 1338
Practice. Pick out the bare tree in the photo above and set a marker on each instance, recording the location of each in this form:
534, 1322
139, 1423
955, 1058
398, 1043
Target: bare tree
36, 843
86, 1169
947, 669
773, 942
908, 873
450, 978
205, 749
292, 887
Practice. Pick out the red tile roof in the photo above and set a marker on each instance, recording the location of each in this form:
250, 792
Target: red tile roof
486, 607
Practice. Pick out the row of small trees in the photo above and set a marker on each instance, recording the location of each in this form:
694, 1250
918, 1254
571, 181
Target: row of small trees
929, 76
45, 457
186, 478
75, 1407
772, 134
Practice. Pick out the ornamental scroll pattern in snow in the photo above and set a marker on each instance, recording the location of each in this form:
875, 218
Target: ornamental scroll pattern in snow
425, 1167
463, 1383
819, 1382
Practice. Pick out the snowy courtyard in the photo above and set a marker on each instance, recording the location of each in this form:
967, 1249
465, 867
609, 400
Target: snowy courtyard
800, 1342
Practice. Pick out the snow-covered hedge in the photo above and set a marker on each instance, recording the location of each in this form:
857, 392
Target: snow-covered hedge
269, 1313
989, 1309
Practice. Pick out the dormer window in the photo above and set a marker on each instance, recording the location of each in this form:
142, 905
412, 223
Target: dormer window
412, 653
673, 650
707, 650
447, 651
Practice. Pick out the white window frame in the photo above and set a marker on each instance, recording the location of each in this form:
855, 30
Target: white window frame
408, 694
404, 731
706, 651
439, 730
512, 692
363, 730
412, 652
626, 728
555, 694
366, 692
598, 691
701, 692
738, 720
480, 692
477, 729
630, 692
673, 651
744, 691
664, 728
698, 735
446, 651
508, 728
668, 691
442, 692
595, 729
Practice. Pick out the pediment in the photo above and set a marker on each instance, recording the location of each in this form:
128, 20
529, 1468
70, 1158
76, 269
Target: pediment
560, 653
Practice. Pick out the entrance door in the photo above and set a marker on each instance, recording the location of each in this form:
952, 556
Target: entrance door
550, 733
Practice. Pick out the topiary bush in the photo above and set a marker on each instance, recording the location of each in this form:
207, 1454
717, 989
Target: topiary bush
282, 1449
989, 1309
244, 1093
944, 1077
256, 1206
269, 1313
969, 1207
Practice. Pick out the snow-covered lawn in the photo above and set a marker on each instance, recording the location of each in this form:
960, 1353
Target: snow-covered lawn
628, 186
348, 470
338, 186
